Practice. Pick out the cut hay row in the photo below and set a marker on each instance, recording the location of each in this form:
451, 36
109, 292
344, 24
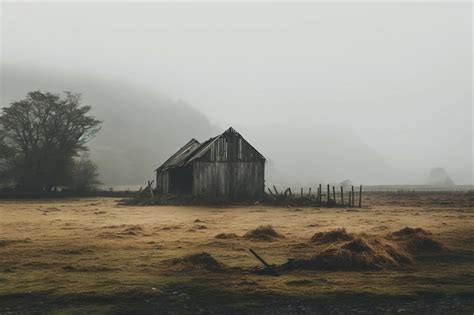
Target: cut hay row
339, 250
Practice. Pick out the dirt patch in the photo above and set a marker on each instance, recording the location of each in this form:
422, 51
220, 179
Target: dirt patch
76, 251
86, 269
11, 242
224, 236
263, 233
200, 261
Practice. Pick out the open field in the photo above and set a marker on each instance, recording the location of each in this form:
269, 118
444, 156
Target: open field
92, 255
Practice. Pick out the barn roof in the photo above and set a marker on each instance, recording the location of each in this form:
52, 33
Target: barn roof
193, 150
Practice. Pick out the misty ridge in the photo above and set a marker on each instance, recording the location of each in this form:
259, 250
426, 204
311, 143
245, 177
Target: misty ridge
374, 93
142, 128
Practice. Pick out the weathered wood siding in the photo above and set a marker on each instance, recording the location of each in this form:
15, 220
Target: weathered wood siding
224, 167
231, 147
230, 169
228, 180
162, 182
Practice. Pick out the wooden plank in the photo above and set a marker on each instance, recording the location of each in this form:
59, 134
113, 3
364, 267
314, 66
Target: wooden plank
276, 191
267, 266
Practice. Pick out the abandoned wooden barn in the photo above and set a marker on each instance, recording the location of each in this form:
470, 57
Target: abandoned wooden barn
223, 167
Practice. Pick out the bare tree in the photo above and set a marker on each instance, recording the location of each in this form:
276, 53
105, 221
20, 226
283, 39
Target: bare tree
40, 135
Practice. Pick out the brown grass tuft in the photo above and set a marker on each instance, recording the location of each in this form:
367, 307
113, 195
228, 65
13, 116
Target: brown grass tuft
416, 241
199, 261
409, 232
332, 236
10, 242
133, 230
225, 236
263, 233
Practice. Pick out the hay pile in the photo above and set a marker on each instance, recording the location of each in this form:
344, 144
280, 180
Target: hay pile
340, 250
416, 241
121, 231
200, 261
331, 236
263, 233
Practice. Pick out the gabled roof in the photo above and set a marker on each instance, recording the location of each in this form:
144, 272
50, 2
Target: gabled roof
194, 150
181, 156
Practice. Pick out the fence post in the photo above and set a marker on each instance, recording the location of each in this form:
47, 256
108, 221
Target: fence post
360, 197
328, 195
276, 191
342, 196
334, 194
352, 196
320, 194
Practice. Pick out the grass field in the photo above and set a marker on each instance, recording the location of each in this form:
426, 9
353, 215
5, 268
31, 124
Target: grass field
93, 255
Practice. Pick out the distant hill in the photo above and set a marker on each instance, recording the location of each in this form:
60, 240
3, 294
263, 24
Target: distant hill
309, 154
141, 127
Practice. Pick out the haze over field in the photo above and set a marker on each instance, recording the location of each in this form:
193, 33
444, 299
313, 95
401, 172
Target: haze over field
378, 93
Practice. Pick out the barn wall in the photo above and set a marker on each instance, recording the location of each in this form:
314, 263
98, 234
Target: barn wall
162, 182
228, 180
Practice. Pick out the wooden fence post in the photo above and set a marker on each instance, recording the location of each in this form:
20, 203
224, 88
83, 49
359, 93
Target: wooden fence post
328, 195
276, 191
360, 197
320, 194
334, 194
352, 196
342, 196
309, 192
301, 192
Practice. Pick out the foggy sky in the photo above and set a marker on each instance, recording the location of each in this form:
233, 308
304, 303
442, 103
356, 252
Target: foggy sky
397, 75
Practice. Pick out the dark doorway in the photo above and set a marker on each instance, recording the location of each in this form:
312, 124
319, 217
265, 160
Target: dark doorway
181, 180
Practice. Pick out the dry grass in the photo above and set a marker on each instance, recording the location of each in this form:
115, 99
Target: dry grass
196, 262
263, 233
102, 257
